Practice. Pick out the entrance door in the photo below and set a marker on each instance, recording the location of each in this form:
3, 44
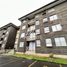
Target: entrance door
32, 46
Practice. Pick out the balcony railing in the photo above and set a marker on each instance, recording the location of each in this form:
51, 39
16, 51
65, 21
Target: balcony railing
31, 22
28, 38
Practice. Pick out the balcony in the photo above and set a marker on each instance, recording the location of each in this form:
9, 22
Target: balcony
31, 22
28, 38
31, 28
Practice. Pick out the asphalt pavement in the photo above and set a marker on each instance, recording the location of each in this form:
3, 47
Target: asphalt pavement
10, 61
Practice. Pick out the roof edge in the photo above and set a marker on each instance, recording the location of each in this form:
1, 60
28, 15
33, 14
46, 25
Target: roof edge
25, 16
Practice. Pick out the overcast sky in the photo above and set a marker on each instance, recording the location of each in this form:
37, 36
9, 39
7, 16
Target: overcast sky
11, 10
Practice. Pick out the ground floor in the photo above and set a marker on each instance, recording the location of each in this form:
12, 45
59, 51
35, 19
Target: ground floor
45, 44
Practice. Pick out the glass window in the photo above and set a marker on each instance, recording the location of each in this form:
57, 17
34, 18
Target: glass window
21, 44
32, 27
45, 20
38, 43
37, 16
37, 22
5, 38
48, 43
3, 45
24, 21
51, 10
23, 27
54, 17
0, 42
57, 27
60, 41
46, 30
22, 35
38, 31
7, 32
32, 35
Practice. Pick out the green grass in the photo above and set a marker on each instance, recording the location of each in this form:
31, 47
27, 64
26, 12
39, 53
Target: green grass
38, 58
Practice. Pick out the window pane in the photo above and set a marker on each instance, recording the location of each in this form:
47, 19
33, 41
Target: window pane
57, 41
59, 27
24, 21
51, 10
23, 27
38, 43
5, 38
38, 31
63, 42
48, 42
32, 28
22, 35
45, 20
32, 35
54, 17
37, 22
21, 44
54, 28
46, 30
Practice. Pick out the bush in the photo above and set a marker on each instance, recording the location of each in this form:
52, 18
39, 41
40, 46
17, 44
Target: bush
51, 55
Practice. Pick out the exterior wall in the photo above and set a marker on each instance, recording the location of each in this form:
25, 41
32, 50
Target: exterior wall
61, 11
11, 38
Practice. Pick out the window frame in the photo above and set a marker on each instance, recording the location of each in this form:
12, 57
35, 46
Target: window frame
21, 45
46, 31
48, 44
38, 43
37, 31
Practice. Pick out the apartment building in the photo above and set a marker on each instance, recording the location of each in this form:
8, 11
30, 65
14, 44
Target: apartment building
17, 39
45, 29
7, 36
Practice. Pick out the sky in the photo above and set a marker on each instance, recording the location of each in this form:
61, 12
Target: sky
11, 10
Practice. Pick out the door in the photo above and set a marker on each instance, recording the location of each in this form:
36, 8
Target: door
32, 46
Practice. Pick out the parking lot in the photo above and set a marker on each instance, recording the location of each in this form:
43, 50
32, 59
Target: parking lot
10, 61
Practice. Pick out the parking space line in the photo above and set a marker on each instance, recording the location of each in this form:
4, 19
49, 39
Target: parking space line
32, 64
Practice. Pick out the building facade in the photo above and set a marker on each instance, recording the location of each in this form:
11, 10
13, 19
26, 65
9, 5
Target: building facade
45, 29
7, 36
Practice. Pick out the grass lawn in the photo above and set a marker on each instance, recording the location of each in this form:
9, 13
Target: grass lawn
38, 58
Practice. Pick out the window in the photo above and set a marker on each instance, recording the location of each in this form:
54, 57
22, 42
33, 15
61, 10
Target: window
23, 27
37, 16
3, 45
7, 32
24, 21
60, 41
54, 17
21, 44
22, 35
51, 10
38, 31
48, 43
32, 35
46, 30
5, 38
37, 22
31, 28
57, 27
45, 20
38, 43
0, 42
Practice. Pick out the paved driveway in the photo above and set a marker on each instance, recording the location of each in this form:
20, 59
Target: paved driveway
9, 61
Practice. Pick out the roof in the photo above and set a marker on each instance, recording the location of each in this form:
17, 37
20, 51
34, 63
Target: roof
8, 25
46, 7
